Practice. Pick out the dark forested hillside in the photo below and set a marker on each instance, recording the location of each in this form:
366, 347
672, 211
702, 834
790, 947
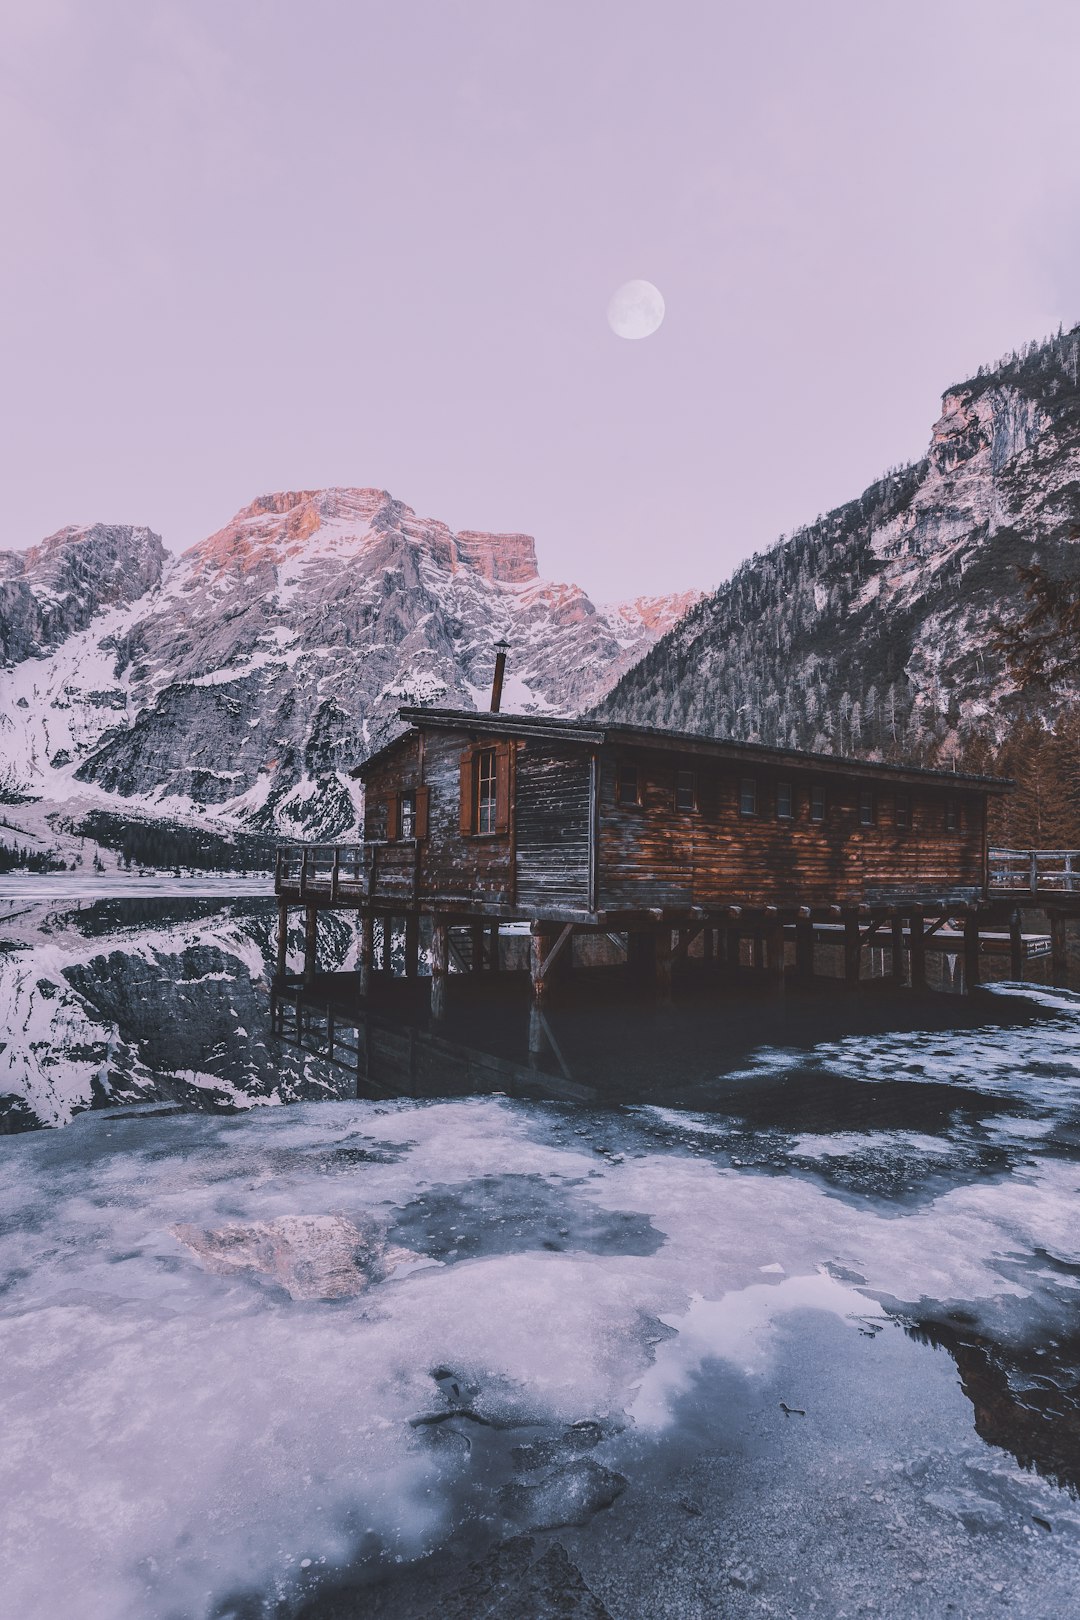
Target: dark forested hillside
871, 630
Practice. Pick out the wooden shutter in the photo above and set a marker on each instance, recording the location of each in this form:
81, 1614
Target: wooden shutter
420, 819
502, 787
393, 817
468, 793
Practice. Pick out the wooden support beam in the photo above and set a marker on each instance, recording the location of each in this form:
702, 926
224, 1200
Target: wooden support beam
971, 952
758, 948
554, 951
412, 945
476, 948
440, 966
1016, 948
311, 936
282, 937
1059, 950
852, 945
896, 927
708, 944
732, 949
493, 949
366, 957
917, 950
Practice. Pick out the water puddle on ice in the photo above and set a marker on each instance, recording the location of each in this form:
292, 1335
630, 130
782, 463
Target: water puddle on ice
782, 1323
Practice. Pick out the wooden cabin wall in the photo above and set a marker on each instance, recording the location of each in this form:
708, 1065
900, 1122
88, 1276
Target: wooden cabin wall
448, 864
552, 801
651, 854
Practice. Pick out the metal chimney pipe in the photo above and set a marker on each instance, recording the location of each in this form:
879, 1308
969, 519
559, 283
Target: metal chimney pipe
501, 650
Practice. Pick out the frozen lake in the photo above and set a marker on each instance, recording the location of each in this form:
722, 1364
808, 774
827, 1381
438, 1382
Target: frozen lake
782, 1321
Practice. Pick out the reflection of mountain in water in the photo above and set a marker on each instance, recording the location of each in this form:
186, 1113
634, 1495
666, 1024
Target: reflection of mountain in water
137, 1001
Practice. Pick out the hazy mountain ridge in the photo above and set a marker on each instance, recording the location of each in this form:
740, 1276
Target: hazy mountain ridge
869, 630
239, 682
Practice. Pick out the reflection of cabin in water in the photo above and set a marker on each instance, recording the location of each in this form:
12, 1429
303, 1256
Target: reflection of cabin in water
659, 838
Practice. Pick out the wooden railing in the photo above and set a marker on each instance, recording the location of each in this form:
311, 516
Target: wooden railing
353, 871
1035, 871
324, 869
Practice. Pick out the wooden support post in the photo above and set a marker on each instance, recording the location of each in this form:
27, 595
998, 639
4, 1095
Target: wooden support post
664, 956
1016, 948
388, 945
971, 951
917, 951
311, 926
707, 945
733, 949
896, 931
440, 966
758, 947
804, 950
282, 938
493, 948
639, 949
540, 944
1059, 950
476, 948
366, 955
775, 943
412, 945
852, 950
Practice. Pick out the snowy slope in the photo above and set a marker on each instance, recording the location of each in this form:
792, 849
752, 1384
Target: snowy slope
246, 677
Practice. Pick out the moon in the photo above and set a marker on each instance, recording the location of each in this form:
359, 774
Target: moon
636, 309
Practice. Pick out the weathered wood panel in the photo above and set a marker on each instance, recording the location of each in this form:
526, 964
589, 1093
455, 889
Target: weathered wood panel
652, 853
552, 820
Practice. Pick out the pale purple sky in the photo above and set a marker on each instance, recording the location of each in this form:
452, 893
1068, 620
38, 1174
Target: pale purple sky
252, 245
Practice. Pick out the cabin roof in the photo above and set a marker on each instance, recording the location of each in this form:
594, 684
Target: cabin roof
594, 734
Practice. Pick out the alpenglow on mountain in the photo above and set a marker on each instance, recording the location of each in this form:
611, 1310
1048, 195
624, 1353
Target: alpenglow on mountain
238, 683
870, 630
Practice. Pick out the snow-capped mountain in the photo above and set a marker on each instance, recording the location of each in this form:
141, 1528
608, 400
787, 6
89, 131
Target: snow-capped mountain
239, 682
870, 630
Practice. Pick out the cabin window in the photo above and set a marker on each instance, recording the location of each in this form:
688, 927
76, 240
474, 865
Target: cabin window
486, 775
748, 796
407, 815
903, 812
486, 790
629, 785
866, 808
686, 790
817, 804
952, 816
785, 801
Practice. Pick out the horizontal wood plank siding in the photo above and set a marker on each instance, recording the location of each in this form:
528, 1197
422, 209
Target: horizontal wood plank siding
552, 817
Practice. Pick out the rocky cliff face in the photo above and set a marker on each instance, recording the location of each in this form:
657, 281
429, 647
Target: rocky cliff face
869, 631
240, 682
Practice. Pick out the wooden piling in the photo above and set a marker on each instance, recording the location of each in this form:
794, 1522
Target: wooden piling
775, 945
282, 937
1016, 948
311, 935
412, 945
1059, 950
366, 955
971, 951
804, 950
493, 948
917, 950
852, 950
440, 966
664, 958
897, 936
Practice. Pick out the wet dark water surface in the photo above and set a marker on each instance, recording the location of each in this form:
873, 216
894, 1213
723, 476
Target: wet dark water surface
731, 1307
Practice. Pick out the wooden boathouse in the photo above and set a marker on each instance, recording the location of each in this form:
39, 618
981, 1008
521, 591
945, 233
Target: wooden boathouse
656, 838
